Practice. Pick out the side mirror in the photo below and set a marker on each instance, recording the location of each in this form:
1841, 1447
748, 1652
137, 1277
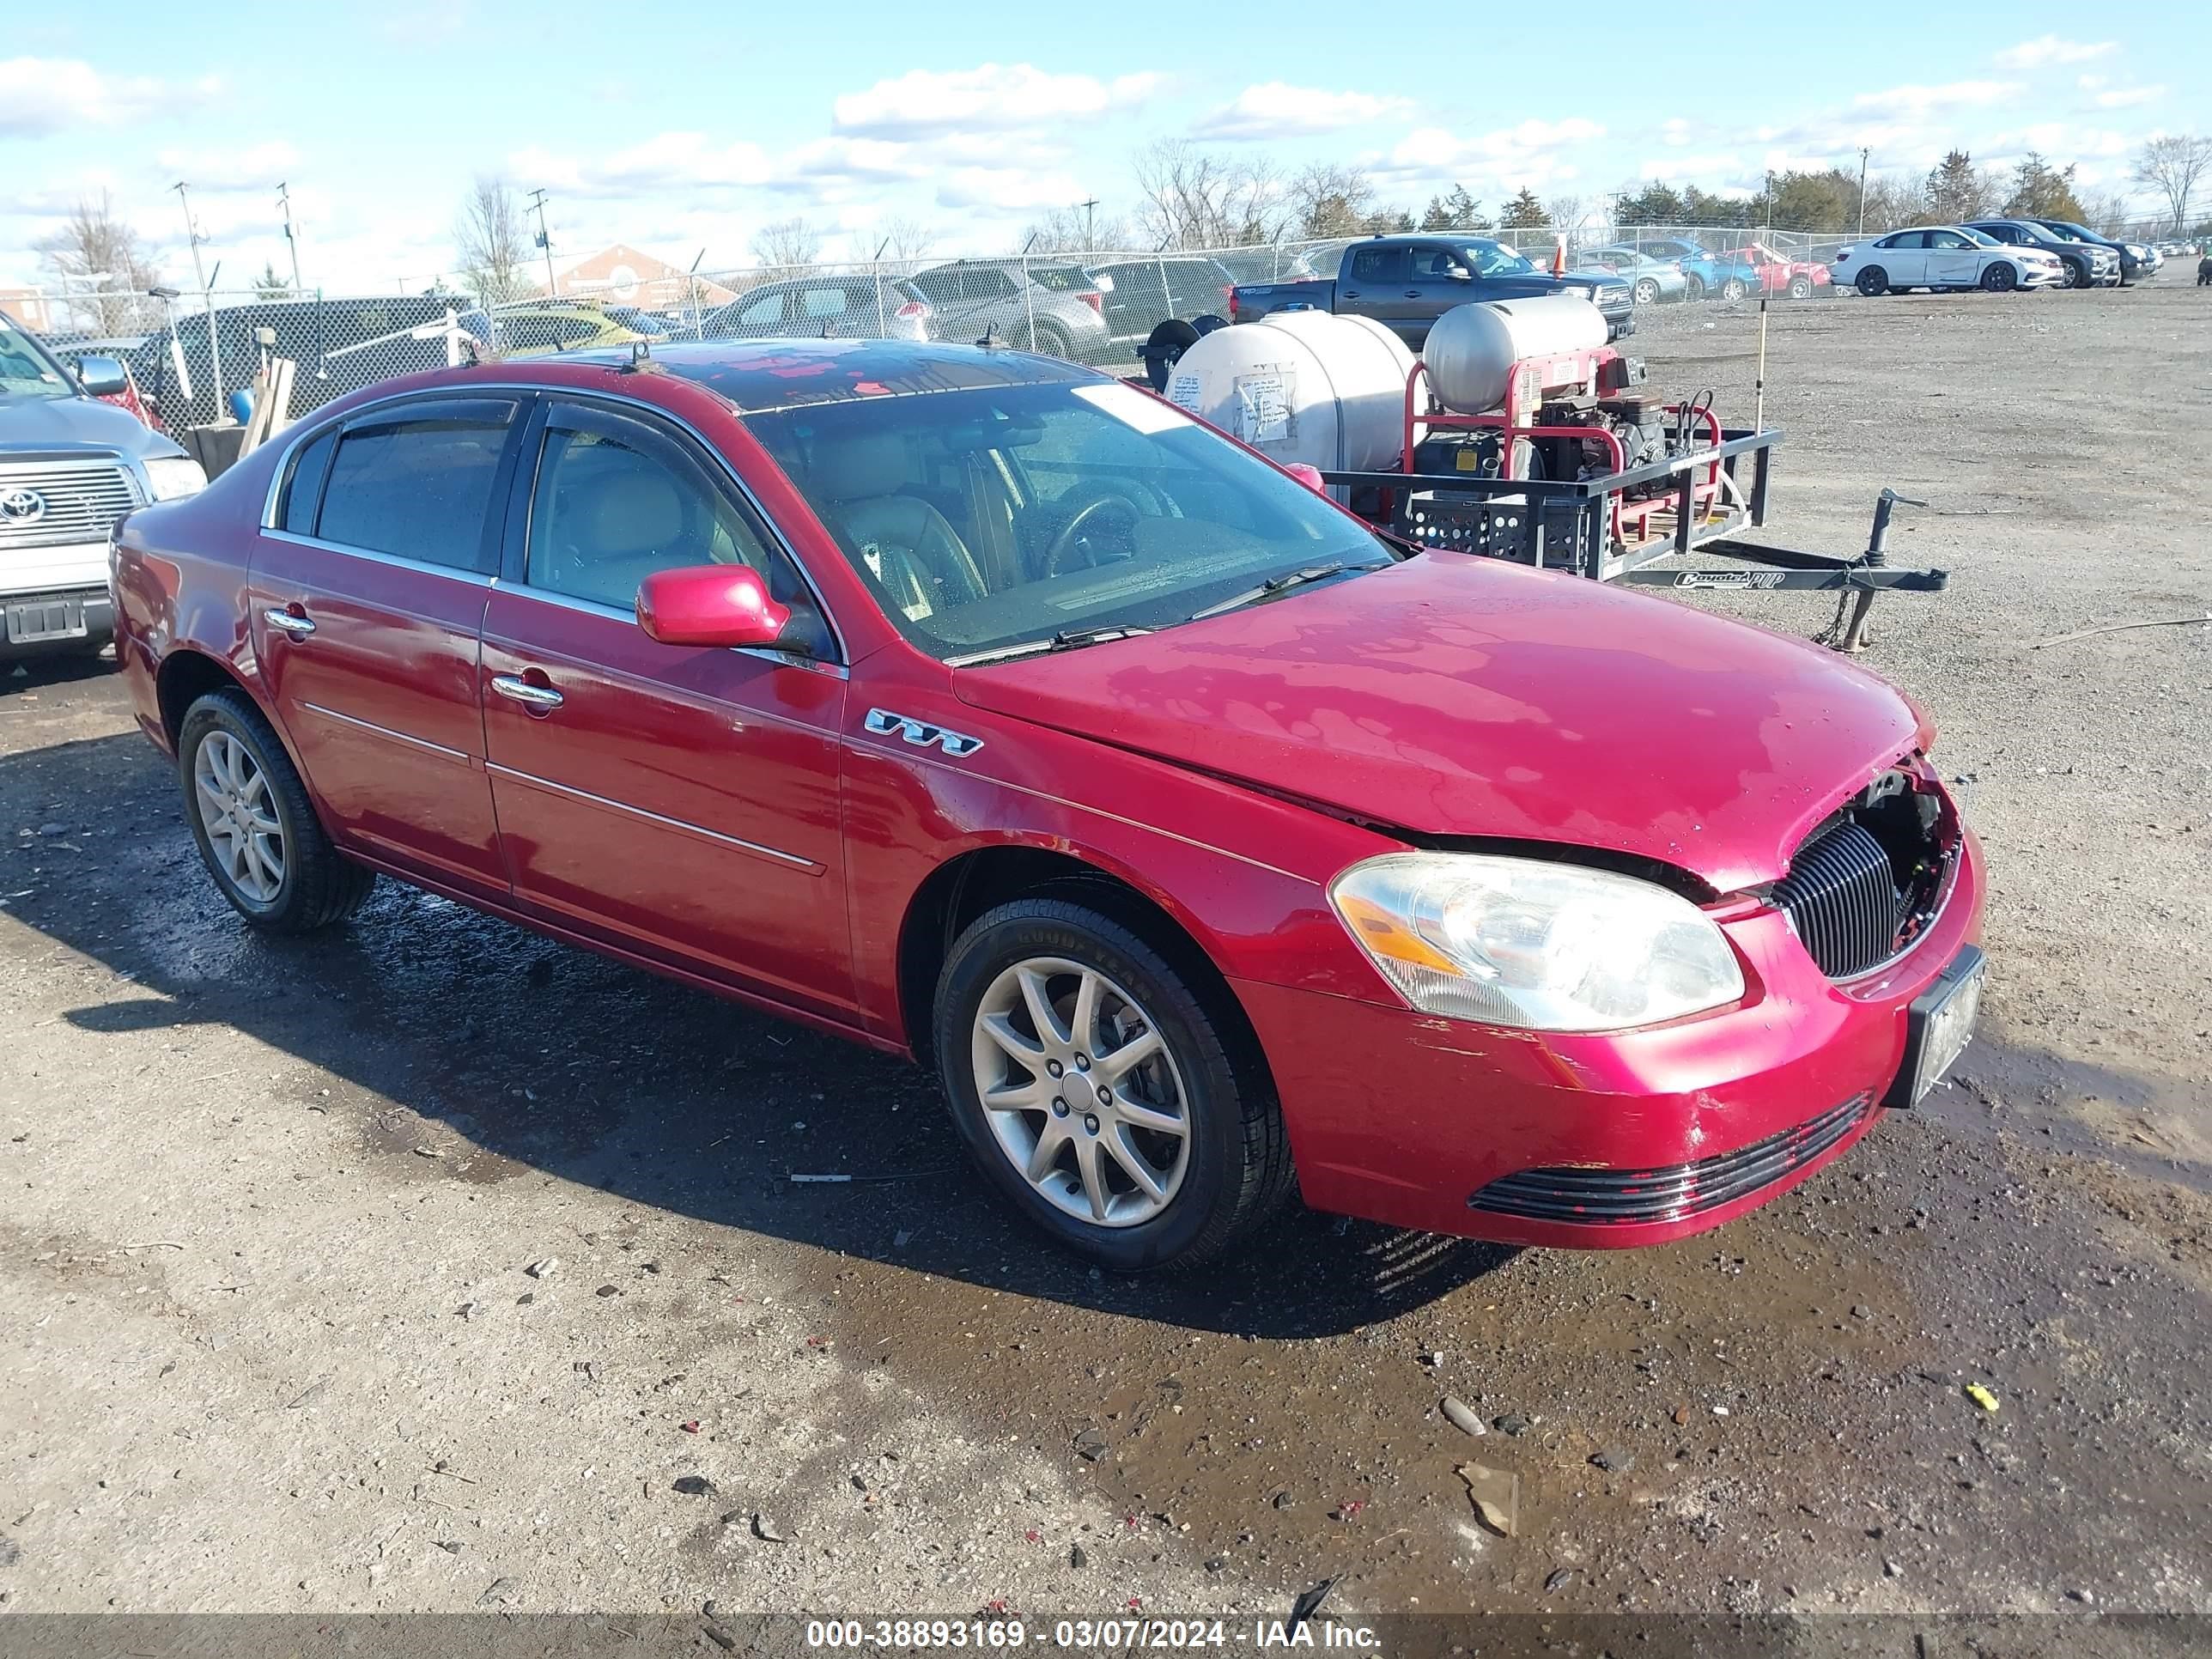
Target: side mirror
103, 377
1460, 274
1307, 474
709, 604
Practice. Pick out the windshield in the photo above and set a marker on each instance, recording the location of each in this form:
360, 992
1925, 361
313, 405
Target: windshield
1494, 259
27, 375
1007, 515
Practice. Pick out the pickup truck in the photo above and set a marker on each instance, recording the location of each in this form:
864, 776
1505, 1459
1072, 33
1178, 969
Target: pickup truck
72, 464
1406, 282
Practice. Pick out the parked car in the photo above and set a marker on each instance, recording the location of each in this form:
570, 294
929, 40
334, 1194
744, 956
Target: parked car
1940, 258
973, 298
1778, 273
1139, 295
1650, 278
525, 331
646, 324
988, 711
1406, 282
1725, 275
832, 307
72, 464
2085, 265
2138, 260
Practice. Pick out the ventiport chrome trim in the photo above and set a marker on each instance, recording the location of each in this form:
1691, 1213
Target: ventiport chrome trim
884, 723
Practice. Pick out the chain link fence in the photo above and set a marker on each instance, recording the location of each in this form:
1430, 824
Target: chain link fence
189, 355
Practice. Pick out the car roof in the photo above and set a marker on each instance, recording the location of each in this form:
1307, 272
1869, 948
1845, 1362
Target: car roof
760, 375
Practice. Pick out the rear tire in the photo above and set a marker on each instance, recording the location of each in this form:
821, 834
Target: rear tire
1800, 288
256, 828
1874, 281
1053, 340
1212, 1181
1646, 291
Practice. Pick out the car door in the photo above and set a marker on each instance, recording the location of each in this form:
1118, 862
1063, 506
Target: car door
1376, 283
1953, 261
1904, 258
366, 591
678, 802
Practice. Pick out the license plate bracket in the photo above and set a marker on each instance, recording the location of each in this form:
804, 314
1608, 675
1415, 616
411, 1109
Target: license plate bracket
1939, 1025
45, 619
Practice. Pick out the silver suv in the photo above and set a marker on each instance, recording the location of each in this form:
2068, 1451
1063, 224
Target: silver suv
970, 298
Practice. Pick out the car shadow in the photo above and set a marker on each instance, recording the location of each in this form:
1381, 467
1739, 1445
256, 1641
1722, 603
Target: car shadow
57, 668
503, 1053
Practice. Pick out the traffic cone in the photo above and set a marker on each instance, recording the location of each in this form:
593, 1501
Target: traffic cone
1559, 254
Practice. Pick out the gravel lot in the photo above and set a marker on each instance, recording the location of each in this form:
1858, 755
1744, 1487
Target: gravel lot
272, 1343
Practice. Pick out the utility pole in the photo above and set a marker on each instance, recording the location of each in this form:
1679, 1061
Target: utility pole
292, 237
537, 202
1090, 239
1863, 153
207, 298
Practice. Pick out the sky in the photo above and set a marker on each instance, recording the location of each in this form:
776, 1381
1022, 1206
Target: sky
683, 130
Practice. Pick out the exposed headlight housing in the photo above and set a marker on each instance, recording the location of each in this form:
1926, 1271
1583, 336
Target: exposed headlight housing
172, 476
1543, 946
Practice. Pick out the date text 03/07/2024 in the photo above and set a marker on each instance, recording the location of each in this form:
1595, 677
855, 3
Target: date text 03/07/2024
1085, 1635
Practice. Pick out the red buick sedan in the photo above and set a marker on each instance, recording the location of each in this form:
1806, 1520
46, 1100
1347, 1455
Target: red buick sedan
1212, 846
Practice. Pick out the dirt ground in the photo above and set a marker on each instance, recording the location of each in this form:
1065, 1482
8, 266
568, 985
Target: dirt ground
272, 1343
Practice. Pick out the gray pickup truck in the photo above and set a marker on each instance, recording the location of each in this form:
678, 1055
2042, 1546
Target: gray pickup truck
1406, 282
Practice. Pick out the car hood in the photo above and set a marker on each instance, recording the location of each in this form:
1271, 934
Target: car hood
56, 425
1451, 696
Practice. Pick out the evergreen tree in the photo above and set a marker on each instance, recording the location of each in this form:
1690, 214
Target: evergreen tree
1524, 212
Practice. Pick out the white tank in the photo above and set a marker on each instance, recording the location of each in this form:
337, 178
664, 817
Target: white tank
1302, 385
1472, 349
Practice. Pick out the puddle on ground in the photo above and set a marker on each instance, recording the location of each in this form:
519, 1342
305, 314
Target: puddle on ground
2149, 1125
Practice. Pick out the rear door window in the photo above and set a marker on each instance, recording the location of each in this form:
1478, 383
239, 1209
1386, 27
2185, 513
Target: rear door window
417, 482
1378, 266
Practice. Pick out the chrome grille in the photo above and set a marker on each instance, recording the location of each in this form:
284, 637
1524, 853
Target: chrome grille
80, 500
1843, 900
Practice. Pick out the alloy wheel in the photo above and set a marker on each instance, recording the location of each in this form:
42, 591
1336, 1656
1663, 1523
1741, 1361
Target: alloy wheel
240, 816
1081, 1091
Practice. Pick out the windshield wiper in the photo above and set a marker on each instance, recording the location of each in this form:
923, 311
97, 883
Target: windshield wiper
1282, 584
1067, 639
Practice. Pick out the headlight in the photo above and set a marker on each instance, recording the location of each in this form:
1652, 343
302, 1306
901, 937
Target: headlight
172, 476
1552, 947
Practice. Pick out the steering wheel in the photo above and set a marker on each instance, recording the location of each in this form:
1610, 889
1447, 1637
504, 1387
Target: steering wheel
1064, 541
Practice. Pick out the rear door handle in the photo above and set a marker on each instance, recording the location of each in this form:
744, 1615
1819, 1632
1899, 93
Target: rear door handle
291, 623
522, 691
1412, 294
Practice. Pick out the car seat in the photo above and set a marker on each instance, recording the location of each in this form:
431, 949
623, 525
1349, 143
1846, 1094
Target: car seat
906, 545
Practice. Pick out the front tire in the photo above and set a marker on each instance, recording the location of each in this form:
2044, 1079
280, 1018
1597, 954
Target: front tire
1693, 289
2000, 279
1800, 288
1733, 288
256, 831
1646, 291
1874, 281
1102, 1090
2077, 275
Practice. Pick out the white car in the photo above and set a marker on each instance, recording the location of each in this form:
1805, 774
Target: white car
1940, 257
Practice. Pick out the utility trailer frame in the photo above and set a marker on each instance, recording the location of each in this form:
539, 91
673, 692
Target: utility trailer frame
1578, 525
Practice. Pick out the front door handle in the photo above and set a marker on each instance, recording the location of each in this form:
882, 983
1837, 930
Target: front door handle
522, 691
291, 621
1412, 294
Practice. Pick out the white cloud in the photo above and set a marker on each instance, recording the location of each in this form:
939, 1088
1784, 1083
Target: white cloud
255, 167
1277, 110
1694, 168
1505, 160
48, 95
2046, 49
2129, 97
1921, 103
1675, 131
992, 97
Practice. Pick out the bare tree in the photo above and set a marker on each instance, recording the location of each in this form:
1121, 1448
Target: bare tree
1567, 211
489, 245
1193, 198
2107, 214
786, 248
905, 241
1070, 230
103, 266
2173, 165
1893, 199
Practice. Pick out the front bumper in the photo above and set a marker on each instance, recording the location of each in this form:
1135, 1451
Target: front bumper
31, 624
1428, 1123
